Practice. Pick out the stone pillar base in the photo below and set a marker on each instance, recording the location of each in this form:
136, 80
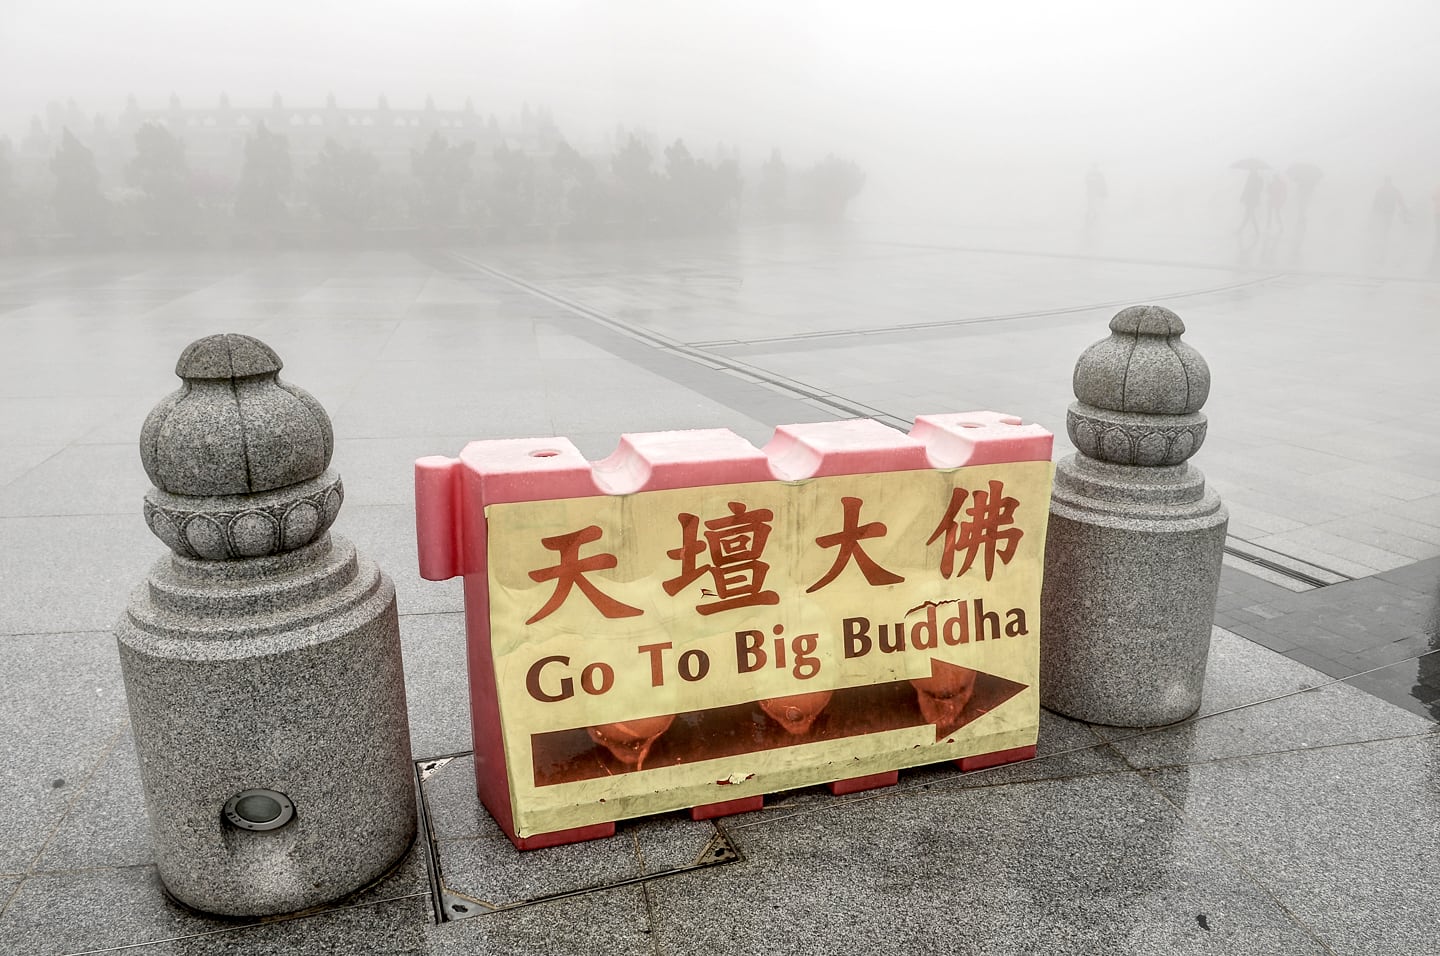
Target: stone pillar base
1132, 568
277, 674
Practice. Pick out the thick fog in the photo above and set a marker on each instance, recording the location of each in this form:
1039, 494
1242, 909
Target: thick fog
1047, 122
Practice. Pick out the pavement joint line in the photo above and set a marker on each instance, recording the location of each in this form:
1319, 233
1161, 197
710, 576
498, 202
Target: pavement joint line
10, 897
1211, 266
902, 788
1003, 317
241, 927
75, 796
819, 396
1308, 748
672, 345
426, 833
1235, 861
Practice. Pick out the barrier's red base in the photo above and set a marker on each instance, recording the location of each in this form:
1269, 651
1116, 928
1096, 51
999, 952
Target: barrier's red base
996, 759
727, 808
871, 781
540, 841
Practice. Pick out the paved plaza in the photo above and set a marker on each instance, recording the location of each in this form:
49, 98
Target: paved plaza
1295, 814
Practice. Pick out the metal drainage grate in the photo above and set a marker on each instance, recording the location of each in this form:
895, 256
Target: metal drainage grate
1289, 572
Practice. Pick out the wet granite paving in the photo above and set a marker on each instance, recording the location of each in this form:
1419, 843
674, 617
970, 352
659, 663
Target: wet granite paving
1294, 815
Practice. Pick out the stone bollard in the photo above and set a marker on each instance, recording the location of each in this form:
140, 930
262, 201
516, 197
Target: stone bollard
262, 658
1132, 559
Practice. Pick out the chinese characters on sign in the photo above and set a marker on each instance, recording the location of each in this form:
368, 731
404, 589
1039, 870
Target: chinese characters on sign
735, 544
647, 645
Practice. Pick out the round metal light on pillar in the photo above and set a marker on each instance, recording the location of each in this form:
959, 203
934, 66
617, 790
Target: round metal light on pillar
259, 810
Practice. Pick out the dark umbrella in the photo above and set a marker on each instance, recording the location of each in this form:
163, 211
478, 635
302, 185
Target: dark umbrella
1251, 164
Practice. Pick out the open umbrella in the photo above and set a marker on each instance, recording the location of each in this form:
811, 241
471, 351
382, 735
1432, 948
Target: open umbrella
1251, 163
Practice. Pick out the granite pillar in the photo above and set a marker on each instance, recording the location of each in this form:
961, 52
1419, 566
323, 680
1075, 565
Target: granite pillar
1132, 557
262, 658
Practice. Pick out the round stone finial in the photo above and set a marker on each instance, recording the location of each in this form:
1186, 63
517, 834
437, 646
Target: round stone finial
1143, 366
1140, 392
234, 427
227, 356
239, 459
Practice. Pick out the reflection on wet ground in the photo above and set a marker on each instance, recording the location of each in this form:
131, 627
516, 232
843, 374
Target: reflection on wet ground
1281, 820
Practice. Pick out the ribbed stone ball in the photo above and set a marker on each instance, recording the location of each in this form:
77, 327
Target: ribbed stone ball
233, 427
1143, 367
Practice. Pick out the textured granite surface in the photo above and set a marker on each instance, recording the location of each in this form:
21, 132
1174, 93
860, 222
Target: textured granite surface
437, 690
1370, 807
264, 654
1301, 709
1133, 551
233, 427
63, 711
1087, 865
305, 698
480, 868
406, 351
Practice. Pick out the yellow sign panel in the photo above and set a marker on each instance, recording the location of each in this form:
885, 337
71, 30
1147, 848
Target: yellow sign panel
676, 648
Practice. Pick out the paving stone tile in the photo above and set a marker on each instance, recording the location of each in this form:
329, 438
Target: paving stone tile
437, 688
1242, 673
1347, 556
487, 871
1331, 832
62, 710
17, 460
381, 471
53, 418
95, 910
105, 825
122, 909
80, 480
1417, 541
386, 533
71, 573
477, 414
1422, 577
1081, 865
608, 922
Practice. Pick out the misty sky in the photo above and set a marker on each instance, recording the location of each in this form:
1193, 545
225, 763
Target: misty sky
1116, 81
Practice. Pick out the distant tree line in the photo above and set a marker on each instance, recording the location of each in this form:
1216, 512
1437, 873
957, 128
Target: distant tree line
452, 191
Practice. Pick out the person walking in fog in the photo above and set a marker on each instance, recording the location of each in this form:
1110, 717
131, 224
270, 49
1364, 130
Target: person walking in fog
1387, 205
1250, 199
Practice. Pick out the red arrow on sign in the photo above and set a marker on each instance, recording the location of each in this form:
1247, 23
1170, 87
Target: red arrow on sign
949, 698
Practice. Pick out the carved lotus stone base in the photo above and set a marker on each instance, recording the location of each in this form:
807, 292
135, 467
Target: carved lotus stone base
1129, 438
245, 526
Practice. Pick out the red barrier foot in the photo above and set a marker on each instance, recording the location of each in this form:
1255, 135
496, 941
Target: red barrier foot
725, 808
871, 781
999, 757
540, 841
